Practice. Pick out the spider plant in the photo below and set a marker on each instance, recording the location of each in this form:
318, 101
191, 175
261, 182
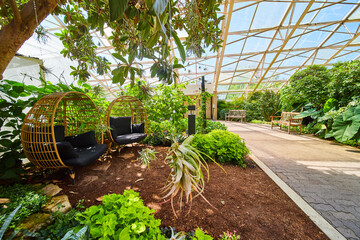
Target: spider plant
146, 156
186, 176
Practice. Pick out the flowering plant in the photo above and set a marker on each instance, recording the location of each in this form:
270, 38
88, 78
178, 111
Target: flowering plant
230, 236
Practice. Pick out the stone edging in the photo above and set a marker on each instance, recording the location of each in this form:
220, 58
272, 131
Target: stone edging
326, 227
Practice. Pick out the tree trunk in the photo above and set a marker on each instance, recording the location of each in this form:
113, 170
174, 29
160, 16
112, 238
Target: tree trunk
13, 35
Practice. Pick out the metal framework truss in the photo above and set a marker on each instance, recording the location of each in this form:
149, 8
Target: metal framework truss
264, 43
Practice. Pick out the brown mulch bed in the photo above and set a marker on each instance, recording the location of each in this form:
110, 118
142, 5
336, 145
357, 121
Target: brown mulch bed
246, 200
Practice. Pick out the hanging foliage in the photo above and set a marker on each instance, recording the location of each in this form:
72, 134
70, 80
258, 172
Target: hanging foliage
139, 29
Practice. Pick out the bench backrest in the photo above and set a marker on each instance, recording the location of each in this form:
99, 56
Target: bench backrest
285, 116
237, 113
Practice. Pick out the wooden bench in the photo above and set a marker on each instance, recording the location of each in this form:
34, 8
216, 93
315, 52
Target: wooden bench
236, 114
288, 119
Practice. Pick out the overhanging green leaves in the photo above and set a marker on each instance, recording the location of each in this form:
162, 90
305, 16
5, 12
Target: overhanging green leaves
117, 8
179, 46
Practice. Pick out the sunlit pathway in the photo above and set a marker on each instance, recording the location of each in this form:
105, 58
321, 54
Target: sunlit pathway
324, 174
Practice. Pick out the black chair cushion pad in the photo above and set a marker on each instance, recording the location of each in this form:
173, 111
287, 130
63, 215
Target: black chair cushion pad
138, 128
86, 155
122, 125
130, 138
66, 150
82, 140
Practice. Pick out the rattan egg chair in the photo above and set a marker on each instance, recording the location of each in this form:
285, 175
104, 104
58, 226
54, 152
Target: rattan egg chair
126, 120
62, 131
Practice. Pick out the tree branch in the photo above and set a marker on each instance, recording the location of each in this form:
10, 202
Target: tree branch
3, 8
16, 12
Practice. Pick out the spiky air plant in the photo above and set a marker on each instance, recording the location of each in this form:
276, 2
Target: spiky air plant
146, 156
186, 176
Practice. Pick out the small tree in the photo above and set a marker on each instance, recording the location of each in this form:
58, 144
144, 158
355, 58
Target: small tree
306, 86
345, 81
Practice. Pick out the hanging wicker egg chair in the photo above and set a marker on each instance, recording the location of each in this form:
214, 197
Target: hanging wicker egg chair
61, 131
126, 120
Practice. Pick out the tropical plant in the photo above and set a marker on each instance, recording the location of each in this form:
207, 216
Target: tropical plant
7, 223
167, 103
221, 145
306, 86
146, 156
345, 81
346, 124
186, 174
11, 118
121, 216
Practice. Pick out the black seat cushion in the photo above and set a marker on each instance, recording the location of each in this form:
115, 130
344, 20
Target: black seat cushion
59, 133
82, 140
122, 125
130, 138
138, 128
86, 155
66, 150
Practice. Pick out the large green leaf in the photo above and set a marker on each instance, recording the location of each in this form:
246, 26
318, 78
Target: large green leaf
118, 56
117, 8
179, 45
330, 104
159, 6
313, 113
344, 130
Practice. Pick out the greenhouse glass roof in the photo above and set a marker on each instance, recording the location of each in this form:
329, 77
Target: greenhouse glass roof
264, 43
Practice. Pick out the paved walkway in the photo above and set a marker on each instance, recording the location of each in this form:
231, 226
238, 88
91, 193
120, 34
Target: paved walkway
324, 174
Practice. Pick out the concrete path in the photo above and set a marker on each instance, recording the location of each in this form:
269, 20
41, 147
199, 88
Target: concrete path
325, 174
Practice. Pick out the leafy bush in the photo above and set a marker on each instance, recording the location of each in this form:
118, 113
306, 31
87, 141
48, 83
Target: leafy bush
121, 217
210, 126
20, 194
165, 132
221, 114
223, 146
306, 86
167, 103
345, 81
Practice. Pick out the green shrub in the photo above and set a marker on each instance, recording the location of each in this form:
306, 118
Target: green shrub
20, 194
121, 217
223, 146
210, 126
164, 132
63, 223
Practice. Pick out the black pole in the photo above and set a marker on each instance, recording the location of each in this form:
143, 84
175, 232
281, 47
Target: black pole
204, 107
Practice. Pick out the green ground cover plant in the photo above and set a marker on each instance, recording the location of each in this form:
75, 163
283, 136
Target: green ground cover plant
223, 146
19, 194
121, 216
